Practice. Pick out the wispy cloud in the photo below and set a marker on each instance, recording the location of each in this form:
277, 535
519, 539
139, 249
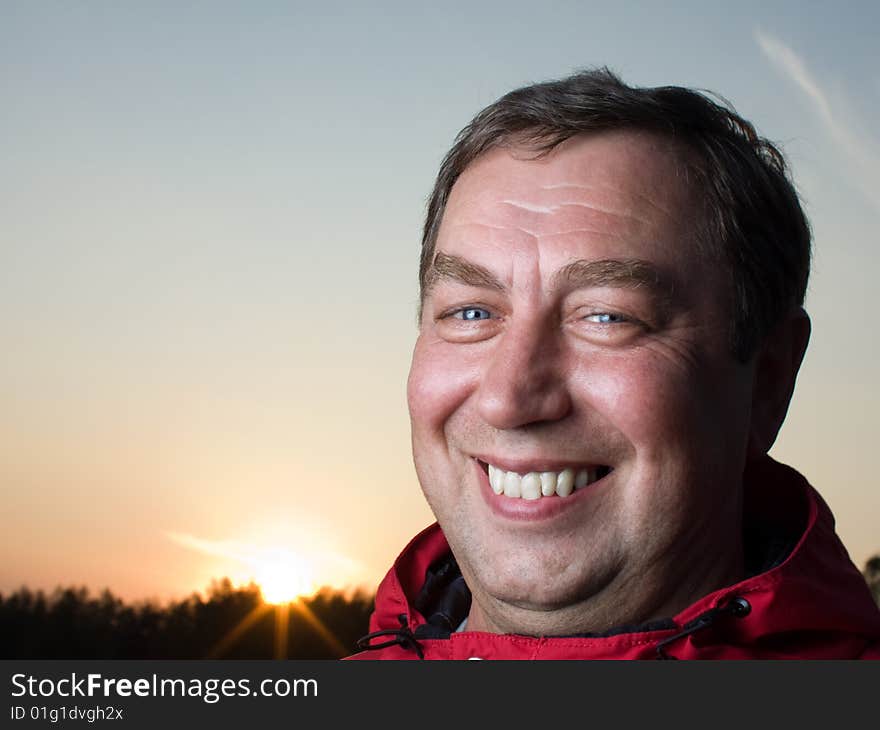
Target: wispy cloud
843, 126
329, 566
794, 67
216, 548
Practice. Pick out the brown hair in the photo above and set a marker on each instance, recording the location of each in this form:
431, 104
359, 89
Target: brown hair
752, 217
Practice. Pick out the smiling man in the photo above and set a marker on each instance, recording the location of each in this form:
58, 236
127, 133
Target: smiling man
611, 325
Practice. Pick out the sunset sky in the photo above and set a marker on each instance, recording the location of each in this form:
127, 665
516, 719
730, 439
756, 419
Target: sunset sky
209, 233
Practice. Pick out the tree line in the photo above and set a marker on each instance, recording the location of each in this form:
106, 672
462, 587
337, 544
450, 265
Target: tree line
233, 623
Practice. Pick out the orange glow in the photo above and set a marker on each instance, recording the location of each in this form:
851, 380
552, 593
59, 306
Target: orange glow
284, 578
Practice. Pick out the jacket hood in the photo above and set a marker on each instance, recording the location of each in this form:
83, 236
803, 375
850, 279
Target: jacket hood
811, 603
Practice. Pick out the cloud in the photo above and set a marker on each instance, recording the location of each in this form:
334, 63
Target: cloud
842, 125
215, 548
793, 66
330, 564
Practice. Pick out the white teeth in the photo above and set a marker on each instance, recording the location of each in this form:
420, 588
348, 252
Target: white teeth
531, 486
512, 484
565, 483
496, 479
548, 483
534, 485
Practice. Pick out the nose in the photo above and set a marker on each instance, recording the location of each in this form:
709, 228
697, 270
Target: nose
524, 379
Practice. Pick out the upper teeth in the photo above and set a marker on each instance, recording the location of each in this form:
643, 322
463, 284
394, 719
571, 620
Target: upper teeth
535, 484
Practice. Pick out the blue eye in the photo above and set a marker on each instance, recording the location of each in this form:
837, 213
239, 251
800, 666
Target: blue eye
472, 314
605, 318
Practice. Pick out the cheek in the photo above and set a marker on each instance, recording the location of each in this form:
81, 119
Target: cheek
651, 403
440, 380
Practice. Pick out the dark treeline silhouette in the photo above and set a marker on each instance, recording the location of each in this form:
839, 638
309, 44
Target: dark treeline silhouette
231, 623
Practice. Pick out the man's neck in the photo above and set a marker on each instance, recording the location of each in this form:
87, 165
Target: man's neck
625, 601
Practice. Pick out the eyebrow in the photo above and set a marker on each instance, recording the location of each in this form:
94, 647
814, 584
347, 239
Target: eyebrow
454, 268
623, 273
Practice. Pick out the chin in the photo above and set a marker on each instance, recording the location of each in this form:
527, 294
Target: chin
534, 585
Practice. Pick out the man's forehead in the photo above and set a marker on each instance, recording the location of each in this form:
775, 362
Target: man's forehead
612, 172
609, 197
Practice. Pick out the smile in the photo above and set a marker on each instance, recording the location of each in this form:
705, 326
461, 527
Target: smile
534, 485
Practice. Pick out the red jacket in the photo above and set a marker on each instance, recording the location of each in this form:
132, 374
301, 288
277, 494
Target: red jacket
813, 604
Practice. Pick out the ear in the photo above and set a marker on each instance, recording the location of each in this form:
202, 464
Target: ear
777, 363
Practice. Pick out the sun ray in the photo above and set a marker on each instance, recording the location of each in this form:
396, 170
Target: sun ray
303, 610
282, 623
235, 633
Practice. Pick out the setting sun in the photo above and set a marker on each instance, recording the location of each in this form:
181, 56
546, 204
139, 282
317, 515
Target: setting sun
284, 578
288, 567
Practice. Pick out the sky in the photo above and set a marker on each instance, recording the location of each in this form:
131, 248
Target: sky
210, 218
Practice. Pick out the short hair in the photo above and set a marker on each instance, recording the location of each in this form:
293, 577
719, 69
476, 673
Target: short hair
751, 218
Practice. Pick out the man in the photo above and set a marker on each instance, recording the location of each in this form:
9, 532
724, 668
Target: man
611, 324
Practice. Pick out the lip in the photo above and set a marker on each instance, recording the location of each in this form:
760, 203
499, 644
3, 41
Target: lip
524, 466
531, 510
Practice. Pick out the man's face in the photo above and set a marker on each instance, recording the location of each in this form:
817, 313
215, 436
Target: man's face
572, 332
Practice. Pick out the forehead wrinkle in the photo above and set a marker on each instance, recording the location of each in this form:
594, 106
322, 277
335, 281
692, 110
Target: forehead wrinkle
534, 235
641, 197
539, 209
590, 231
489, 226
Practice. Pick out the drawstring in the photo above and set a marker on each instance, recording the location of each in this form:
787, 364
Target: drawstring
738, 607
402, 637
